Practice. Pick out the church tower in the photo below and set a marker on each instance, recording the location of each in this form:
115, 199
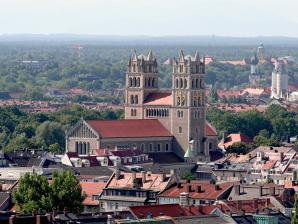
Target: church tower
188, 110
141, 80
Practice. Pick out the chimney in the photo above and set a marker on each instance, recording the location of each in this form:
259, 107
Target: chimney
272, 191
133, 177
184, 199
143, 176
163, 177
217, 188
267, 202
38, 221
173, 172
256, 203
117, 173
281, 156
11, 219
239, 204
261, 190
237, 189
65, 211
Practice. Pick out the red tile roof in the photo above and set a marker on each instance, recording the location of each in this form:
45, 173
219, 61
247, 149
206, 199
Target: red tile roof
129, 128
210, 131
159, 99
233, 138
127, 152
92, 188
208, 190
172, 210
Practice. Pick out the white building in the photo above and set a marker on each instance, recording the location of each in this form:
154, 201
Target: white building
279, 85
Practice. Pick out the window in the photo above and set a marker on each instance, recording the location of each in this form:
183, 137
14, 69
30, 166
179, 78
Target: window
210, 145
167, 147
116, 205
151, 147
143, 147
180, 129
158, 147
136, 101
132, 101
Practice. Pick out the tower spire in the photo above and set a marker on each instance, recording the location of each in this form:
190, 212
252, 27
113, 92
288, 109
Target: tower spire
150, 56
197, 56
134, 55
181, 56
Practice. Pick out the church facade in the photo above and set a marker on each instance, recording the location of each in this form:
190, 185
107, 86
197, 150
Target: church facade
155, 120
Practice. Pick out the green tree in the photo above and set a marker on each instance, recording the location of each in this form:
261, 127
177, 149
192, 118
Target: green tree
32, 194
55, 148
66, 192
188, 176
36, 193
239, 148
295, 215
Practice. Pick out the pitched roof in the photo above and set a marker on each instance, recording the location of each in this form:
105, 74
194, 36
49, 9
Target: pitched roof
129, 128
210, 131
153, 181
233, 138
127, 152
91, 188
172, 210
208, 190
159, 99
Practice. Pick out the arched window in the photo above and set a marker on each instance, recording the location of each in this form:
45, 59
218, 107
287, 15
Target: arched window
88, 147
134, 81
151, 147
77, 147
153, 84
138, 82
135, 112
181, 83
177, 83
80, 148
197, 83
132, 101
178, 101
143, 147
84, 148
178, 113
134, 68
201, 83
192, 83
136, 99
131, 112
179, 129
149, 82
185, 83
130, 82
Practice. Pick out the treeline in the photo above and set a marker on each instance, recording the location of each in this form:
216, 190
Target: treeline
269, 128
98, 67
19, 130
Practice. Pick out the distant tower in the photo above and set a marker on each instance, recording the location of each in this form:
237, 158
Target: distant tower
254, 73
261, 54
141, 79
279, 85
189, 111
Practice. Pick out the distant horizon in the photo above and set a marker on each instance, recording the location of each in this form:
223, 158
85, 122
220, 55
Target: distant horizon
232, 18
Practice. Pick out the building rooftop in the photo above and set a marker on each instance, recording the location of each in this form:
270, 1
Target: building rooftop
160, 98
198, 190
129, 128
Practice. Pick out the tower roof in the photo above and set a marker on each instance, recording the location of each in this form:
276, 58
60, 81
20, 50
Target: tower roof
188, 153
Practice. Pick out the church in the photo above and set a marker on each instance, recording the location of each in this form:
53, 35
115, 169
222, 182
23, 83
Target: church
156, 121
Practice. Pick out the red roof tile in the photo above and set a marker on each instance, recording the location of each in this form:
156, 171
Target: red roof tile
159, 99
208, 190
172, 210
233, 138
92, 188
129, 128
210, 131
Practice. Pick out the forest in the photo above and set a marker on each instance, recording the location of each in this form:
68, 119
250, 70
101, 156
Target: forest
98, 67
20, 130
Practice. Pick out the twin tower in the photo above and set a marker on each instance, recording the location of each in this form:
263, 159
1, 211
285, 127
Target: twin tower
181, 110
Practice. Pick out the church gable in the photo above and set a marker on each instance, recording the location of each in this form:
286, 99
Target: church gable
82, 130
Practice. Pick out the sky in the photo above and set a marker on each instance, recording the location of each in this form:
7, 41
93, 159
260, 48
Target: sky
150, 17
